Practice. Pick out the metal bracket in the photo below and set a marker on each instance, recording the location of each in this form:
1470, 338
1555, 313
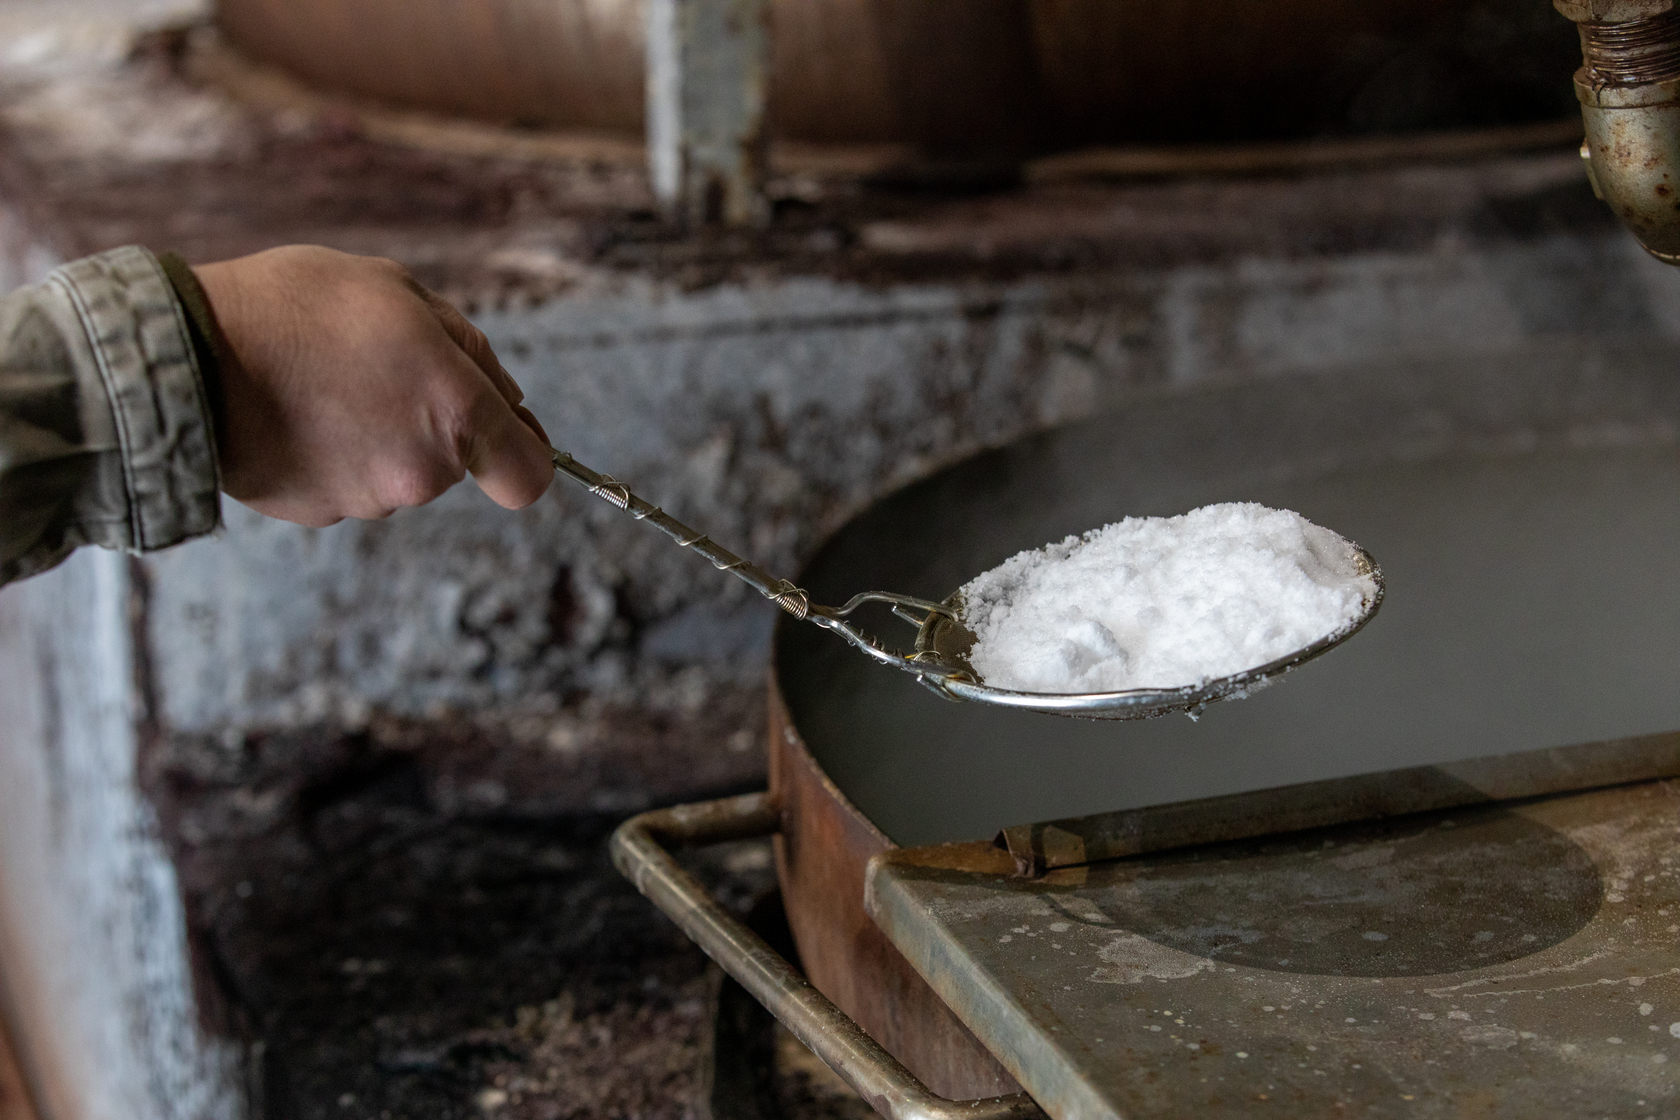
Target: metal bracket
639, 852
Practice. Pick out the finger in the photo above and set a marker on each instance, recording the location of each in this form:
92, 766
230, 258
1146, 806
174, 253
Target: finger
509, 462
472, 342
532, 422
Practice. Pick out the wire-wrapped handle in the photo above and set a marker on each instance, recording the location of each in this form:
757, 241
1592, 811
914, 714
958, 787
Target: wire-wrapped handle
791, 599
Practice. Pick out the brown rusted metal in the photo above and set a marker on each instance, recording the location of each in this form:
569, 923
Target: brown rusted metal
954, 75
1505, 961
1289, 157
1611, 11
1104, 62
1038, 848
971, 80
639, 851
1629, 54
946, 72
821, 857
576, 62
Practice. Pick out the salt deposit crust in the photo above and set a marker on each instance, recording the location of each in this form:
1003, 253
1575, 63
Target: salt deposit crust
1163, 602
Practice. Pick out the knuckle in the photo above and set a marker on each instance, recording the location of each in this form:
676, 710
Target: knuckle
391, 272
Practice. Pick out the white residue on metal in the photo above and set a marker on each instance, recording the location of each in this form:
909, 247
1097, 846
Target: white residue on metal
1163, 602
1131, 959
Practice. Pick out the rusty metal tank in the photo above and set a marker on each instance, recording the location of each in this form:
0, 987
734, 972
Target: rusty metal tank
1525, 510
843, 70
961, 74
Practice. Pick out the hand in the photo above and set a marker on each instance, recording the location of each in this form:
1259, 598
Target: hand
357, 392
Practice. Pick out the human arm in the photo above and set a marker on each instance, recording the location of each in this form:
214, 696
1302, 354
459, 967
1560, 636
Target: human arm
347, 390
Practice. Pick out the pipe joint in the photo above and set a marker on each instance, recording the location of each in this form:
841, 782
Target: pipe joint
1629, 90
1641, 52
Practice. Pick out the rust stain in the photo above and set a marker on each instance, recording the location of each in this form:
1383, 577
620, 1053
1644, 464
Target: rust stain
822, 855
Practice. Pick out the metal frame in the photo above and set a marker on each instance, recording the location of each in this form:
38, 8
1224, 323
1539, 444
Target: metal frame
639, 851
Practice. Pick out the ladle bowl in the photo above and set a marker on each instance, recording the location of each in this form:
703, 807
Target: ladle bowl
945, 641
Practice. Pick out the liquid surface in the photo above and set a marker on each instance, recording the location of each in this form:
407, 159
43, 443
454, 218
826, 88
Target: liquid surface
1532, 601
1163, 602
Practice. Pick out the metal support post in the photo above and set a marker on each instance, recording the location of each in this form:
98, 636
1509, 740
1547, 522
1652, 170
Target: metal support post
707, 73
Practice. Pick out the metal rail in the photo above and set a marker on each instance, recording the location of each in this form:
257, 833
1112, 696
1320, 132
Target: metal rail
639, 852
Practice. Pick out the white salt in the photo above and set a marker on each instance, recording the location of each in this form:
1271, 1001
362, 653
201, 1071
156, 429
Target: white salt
1163, 602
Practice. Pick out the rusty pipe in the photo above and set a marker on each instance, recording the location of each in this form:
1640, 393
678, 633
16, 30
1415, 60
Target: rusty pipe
1629, 89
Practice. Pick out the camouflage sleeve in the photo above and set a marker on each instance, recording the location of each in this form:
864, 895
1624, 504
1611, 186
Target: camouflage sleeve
106, 429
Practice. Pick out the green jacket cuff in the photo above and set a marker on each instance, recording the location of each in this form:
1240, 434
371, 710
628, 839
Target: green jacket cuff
108, 431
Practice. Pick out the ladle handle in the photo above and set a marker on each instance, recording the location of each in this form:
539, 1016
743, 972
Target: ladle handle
794, 600
791, 599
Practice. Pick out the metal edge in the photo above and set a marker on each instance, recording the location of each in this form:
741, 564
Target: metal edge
822, 856
1033, 1053
1041, 847
1035, 1057
797, 742
1132, 162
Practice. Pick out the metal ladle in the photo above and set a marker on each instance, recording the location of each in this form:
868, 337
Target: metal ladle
939, 659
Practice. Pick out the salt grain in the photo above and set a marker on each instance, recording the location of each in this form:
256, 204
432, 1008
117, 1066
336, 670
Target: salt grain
1153, 602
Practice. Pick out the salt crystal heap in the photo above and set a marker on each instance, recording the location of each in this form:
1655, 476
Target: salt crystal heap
1163, 602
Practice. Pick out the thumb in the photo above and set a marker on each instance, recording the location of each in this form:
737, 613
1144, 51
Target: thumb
509, 462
